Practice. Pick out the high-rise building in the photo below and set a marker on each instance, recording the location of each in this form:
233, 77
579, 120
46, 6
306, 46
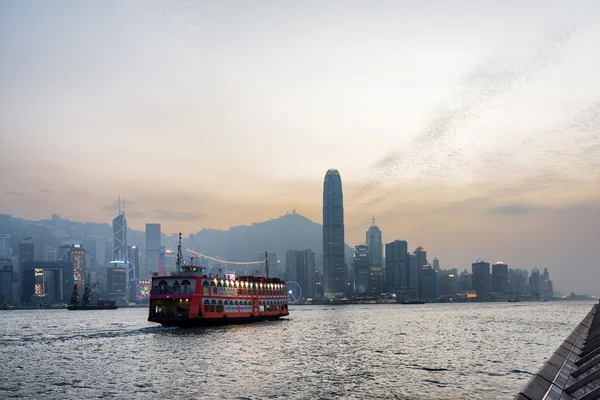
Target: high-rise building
375, 245
536, 283
421, 255
46, 282
548, 287
120, 236
300, 268
100, 250
376, 281
436, 264
116, 280
5, 248
26, 251
170, 261
481, 277
396, 266
465, 281
413, 272
6, 280
500, 278
334, 263
448, 283
133, 272
153, 243
77, 260
362, 269
428, 282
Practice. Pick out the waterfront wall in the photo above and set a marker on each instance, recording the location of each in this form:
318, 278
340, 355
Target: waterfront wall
573, 371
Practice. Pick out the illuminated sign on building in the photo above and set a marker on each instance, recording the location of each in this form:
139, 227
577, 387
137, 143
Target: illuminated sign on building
143, 289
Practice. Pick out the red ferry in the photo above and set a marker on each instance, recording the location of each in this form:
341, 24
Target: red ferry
191, 298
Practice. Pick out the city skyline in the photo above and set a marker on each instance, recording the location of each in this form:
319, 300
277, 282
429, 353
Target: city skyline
495, 149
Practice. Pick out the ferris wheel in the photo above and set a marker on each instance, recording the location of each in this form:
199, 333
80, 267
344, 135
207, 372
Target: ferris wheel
294, 292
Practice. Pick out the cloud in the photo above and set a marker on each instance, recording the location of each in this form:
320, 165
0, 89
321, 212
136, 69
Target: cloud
164, 215
480, 90
11, 193
45, 191
511, 209
113, 207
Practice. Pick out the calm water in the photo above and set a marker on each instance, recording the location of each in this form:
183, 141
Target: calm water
479, 351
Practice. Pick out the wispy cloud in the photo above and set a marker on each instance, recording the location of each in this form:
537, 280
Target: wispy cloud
45, 191
165, 215
114, 206
11, 193
511, 209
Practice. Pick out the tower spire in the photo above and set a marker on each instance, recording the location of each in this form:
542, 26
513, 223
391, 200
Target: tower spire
373, 219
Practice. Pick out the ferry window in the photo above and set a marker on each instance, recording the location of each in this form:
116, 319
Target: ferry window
212, 283
215, 290
185, 285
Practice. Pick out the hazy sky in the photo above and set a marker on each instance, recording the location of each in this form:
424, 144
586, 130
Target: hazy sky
471, 128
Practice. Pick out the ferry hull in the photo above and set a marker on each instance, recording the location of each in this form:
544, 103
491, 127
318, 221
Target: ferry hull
182, 322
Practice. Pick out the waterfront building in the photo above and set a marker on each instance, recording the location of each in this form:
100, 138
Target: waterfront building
500, 278
448, 283
413, 273
481, 277
300, 268
362, 270
334, 263
6, 280
536, 283
465, 281
46, 282
396, 266
421, 260
116, 279
376, 281
428, 282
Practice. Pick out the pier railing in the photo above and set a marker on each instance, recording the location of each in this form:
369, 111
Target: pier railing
573, 371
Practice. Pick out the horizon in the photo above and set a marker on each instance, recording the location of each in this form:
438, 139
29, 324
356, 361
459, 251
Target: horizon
460, 132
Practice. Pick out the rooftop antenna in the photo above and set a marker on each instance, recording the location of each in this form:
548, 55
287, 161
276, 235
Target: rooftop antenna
266, 265
373, 219
119, 204
179, 257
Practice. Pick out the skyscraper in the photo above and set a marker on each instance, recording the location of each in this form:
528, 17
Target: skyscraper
334, 263
421, 260
481, 276
152, 247
362, 269
120, 236
396, 266
500, 277
5, 249
133, 272
375, 245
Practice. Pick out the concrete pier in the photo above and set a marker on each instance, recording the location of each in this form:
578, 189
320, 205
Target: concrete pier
573, 371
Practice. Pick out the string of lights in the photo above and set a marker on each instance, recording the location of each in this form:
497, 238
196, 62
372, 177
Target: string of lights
224, 261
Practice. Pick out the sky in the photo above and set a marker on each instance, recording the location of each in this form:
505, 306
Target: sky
471, 128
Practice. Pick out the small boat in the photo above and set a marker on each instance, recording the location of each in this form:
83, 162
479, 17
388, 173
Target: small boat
85, 303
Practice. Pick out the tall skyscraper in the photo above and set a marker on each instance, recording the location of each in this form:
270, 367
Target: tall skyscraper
396, 266
120, 236
362, 269
77, 260
500, 277
375, 245
152, 247
481, 277
421, 260
334, 263
436, 264
536, 283
429, 288
413, 272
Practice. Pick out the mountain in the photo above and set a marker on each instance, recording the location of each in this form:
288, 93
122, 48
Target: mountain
246, 243
238, 243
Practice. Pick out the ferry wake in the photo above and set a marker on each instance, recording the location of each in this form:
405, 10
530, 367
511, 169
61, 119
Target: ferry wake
189, 297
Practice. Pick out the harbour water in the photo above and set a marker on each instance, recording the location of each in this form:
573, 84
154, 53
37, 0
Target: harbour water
431, 351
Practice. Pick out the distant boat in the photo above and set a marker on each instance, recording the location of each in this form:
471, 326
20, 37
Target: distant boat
514, 300
85, 303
